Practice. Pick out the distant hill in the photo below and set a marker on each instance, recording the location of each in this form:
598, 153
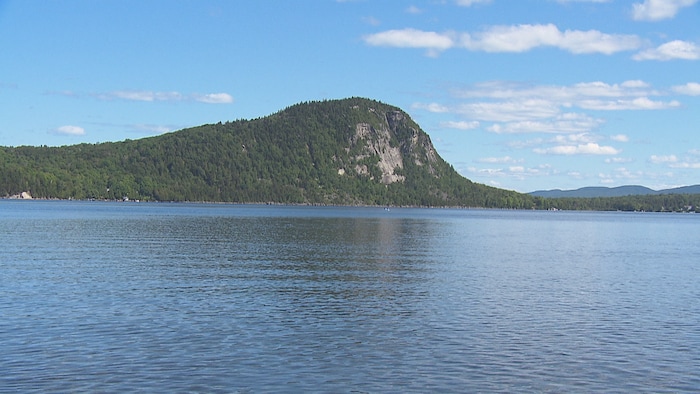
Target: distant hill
345, 152
620, 191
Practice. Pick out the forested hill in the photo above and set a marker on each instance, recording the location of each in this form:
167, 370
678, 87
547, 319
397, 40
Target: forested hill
620, 191
347, 152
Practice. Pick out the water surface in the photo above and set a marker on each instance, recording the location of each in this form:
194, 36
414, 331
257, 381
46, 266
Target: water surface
115, 297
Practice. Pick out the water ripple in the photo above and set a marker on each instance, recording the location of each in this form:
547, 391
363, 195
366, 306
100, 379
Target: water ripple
244, 299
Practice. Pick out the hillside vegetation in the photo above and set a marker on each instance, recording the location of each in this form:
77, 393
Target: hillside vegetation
347, 152
619, 191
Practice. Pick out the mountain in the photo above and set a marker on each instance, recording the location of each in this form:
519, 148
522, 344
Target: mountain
347, 152
695, 189
620, 191
592, 192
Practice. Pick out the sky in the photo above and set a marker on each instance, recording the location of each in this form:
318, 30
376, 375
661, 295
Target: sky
520, 94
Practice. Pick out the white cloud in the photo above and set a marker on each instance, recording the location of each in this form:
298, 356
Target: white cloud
606, 179
462, 125
654, 10
411, 38
516, 172
469, 3
152, 129
686, 164
525, 144
640, 103
498, 160
214, 98
619, 138
630, 88
565, 123
624, 173
635, 83
590, 148
663, 159
618, 160
70, 130
142, 95
509, 111
431, 107
522, 38
516, 108
414, 10
689, 89
593, 41
580, 138
150, 96
513, 38
485, 171
568, 95
672, 161
677, 49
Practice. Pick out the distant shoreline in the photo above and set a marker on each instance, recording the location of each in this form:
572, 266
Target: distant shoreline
17, 198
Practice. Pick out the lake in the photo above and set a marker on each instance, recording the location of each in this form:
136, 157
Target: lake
115, 297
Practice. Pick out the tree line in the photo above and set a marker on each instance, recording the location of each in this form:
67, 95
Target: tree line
294, 156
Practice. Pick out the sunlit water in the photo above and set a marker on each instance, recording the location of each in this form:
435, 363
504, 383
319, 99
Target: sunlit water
114, 297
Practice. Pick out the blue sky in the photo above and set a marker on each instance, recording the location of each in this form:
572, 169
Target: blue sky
523, 95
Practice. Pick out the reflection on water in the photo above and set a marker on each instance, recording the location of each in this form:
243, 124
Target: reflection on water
217, 298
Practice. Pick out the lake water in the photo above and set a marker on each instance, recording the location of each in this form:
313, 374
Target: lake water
114, 297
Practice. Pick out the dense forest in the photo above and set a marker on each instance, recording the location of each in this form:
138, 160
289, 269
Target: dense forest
638, 203
344, 152
330, 152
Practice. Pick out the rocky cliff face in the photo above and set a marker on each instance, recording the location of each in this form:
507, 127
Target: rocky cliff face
386, 146
376, 143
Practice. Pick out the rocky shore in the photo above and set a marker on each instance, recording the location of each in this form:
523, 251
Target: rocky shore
21, 196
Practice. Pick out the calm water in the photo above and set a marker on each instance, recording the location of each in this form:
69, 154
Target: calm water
115, 297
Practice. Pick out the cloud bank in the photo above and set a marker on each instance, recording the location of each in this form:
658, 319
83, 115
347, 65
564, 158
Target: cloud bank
689, 89
469, 3
587, 149
523, 38
655, 10
508, 39
564, 111
151, 96
677, 49
523, 108
69, 130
